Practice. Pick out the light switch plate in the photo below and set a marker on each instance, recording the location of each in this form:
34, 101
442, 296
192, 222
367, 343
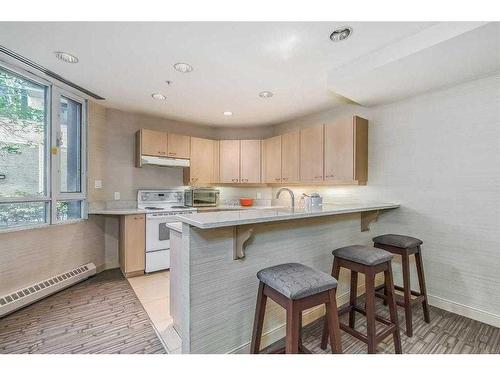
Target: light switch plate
117, 195
259, 195
98, 184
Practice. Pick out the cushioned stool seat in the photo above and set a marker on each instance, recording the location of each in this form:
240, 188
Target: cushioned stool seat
368, 256
295, 280
398, 240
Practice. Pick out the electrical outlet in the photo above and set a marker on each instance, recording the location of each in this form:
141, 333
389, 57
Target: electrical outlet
259, 195
98, 184
117, 195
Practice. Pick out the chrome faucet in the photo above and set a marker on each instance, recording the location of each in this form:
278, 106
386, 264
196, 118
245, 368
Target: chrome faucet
292, 196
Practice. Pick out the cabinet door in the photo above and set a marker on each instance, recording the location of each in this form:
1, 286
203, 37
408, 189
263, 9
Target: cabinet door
339, 150
271, 148
250, 172
229, 161
202, 161
178, 146
153, 143
290, 149
311, 154
132, 244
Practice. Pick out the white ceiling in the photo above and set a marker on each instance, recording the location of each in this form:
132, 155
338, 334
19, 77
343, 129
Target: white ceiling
233, 62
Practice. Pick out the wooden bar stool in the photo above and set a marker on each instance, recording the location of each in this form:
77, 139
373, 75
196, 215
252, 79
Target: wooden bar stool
295, 287
369, 261
406, 246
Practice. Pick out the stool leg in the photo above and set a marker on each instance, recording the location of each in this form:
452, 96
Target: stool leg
258, 322
370, 311
333, 322
421, 283
393, 310
407, 294
292, 329
353, 293
335, 274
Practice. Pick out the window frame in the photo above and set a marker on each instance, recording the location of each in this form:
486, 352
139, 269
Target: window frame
53, 95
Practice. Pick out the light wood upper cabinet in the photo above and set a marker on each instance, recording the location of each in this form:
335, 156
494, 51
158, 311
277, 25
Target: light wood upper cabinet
153, 143
132, 245
178, 146
229, 161
271, 155
346, 149
250, 162
311, 154
201, 170
339, 150
290, 149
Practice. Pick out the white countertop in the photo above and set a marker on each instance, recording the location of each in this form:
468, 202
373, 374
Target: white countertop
136, 211
176, 225
120, 211
207, 220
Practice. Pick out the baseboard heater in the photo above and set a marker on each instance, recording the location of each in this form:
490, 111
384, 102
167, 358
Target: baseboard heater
27, 295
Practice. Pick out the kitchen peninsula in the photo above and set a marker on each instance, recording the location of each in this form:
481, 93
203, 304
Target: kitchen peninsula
217, 254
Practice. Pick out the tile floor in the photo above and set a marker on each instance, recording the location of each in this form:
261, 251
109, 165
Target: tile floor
153, 290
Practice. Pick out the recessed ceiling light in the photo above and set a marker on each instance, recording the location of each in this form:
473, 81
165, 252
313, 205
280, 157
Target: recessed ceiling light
183, 67
341, 34
265, 94
228, 113
159, 96
66, 57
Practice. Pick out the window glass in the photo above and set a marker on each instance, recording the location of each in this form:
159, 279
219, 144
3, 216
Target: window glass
21, 214
69, 210
70, 145
23, 135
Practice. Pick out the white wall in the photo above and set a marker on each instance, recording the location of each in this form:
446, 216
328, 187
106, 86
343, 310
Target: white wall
438, 155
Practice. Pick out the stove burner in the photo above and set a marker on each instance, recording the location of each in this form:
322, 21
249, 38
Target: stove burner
153, 208
179, 207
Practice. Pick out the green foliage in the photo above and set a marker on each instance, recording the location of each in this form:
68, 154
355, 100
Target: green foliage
13, 214
18, 119
13, 101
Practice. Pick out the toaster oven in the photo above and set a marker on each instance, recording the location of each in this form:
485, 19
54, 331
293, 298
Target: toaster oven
201, 197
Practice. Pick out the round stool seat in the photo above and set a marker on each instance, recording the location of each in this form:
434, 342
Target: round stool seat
369, 256
296, 281
398, 240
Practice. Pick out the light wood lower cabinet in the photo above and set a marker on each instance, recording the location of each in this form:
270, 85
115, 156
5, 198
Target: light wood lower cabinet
178, 146
132, 245
311, 154
290, 150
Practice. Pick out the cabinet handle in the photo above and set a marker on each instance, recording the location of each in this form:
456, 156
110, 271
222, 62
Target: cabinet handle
285, 178
318, 177
244, 179
172, 153
277, 179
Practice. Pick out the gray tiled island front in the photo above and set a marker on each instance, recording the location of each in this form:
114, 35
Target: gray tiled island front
216, 256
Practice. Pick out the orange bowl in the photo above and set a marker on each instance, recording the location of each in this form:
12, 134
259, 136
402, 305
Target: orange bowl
246, 202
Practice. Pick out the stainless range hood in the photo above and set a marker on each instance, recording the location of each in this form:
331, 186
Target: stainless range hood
163, 162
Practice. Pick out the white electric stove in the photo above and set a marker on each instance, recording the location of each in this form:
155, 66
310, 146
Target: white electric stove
165, 204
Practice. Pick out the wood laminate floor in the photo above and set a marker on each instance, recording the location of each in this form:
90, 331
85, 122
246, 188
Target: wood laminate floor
446, 333
103, 315
99, 315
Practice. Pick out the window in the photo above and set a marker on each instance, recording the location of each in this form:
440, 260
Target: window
42, 155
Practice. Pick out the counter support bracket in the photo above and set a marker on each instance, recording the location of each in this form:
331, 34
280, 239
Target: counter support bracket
240, 237
367, 218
